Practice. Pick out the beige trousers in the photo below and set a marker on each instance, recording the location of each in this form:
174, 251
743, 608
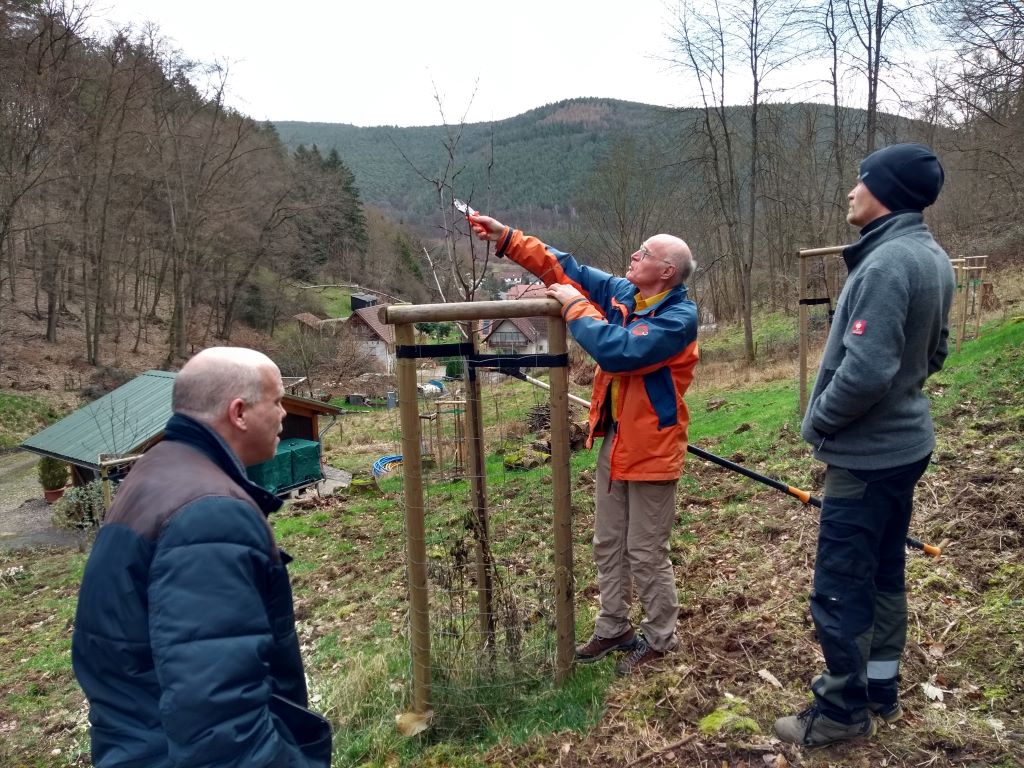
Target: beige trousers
632, 525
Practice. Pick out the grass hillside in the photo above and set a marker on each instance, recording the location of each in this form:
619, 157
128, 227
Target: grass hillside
742, 553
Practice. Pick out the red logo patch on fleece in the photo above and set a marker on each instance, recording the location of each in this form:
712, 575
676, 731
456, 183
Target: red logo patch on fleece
640, 330
859, 326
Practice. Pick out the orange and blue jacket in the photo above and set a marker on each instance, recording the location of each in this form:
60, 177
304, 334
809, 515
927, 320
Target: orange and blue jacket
649, 351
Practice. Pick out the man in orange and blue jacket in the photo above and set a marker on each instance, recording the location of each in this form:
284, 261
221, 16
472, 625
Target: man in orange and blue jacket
642, 331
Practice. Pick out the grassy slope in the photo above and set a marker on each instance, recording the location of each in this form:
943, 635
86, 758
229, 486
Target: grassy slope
337, 302
743, 557
22, 416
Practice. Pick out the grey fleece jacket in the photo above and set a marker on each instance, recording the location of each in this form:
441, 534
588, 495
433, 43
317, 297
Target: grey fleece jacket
889, 334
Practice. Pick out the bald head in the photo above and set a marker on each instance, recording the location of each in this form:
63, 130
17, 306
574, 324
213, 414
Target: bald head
214, 377
660, 263
676, 252
237, 393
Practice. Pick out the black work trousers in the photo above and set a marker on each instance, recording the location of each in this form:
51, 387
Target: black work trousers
859, 602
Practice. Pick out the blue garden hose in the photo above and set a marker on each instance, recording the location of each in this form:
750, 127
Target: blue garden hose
384, 464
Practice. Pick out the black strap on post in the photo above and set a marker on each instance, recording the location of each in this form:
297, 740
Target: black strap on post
406, 351
476, 360
506, 362
825, 300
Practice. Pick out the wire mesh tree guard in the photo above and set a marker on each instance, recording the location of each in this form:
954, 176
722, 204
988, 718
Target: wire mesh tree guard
403, 317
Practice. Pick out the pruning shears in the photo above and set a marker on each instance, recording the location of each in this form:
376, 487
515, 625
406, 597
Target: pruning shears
463, 208
469, 212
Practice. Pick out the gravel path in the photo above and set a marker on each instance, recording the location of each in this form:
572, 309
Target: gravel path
24, 516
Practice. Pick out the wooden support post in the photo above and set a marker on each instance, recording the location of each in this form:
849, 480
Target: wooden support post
403, 317
565, 607
802, 311
962, 321
976, 305
460, 440
416, 548
473, 310
427, 436
958, 297
977, 266
439, 439
105, 485
106, 463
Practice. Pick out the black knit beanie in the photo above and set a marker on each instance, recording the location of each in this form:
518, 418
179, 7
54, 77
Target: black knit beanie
903, 176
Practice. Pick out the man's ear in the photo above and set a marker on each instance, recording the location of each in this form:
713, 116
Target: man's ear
236, 413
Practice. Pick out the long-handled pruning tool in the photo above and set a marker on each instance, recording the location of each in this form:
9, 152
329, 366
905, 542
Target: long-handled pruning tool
804, 496
797, 493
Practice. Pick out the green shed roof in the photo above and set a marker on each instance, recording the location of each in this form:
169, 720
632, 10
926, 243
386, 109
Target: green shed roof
118, 423
123, 422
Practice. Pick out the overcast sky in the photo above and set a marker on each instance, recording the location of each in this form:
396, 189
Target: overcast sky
379, 62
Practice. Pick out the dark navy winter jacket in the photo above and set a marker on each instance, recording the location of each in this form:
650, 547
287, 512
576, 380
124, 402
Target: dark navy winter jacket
184, 638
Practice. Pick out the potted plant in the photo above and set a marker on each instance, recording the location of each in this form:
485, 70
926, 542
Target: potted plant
53, 476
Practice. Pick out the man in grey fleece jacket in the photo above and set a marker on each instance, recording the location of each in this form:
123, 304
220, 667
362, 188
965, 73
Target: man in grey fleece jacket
869, 420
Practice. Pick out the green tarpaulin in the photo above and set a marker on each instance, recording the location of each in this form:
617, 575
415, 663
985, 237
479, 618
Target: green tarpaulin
297, 462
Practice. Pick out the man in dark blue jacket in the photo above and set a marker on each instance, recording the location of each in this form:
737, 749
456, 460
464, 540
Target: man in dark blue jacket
184, 637
869, 420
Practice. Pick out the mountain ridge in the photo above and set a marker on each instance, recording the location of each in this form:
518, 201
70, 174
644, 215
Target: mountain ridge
534, 167
541, 158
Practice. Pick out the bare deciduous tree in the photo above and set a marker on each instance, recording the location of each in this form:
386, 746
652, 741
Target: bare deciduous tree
877, 27
629, 197
763, 34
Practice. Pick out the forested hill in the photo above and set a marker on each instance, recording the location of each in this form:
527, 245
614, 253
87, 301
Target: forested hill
541, 158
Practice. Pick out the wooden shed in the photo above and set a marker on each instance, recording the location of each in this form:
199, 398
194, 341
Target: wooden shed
131, 419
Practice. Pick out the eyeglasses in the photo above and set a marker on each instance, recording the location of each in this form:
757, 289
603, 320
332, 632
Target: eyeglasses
646, 254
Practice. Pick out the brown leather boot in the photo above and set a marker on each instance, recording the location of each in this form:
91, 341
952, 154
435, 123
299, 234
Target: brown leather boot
599, 647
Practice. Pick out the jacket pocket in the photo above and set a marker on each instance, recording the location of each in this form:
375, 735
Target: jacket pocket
310, 731
661, 391
824, 379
